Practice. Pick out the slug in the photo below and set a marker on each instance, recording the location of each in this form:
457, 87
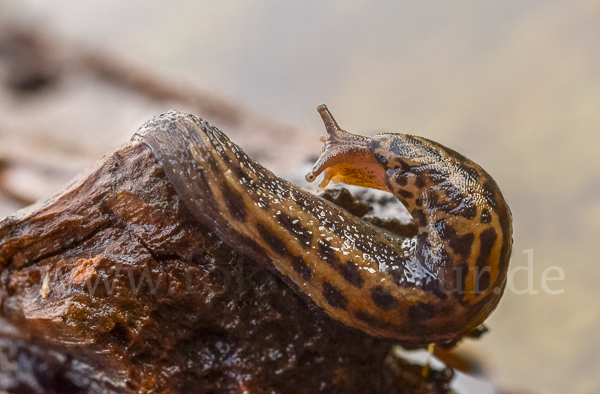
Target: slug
433, 288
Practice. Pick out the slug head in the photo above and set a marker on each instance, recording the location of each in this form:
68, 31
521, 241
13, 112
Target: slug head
346, 157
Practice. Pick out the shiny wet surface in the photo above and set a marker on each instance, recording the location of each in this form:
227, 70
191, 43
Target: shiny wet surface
513, 86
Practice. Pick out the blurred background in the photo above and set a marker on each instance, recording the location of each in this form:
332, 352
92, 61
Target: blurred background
514, 85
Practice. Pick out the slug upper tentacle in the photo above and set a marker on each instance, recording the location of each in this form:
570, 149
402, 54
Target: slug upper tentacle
433, 288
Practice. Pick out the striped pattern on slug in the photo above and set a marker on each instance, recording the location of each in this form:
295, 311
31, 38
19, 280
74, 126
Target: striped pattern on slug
433, 288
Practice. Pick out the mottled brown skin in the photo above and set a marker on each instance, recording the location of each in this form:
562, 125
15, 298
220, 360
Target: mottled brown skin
433, 288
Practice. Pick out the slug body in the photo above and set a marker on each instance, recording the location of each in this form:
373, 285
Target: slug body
433, 288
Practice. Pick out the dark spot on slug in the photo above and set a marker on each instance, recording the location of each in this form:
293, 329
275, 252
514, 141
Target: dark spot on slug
419, 202
462, 272
351, 273
234, 201
504, 258
404, 193
420, 181
487, 239
225, 158
419, 217
397, 271
337, 230
328, 253
334, 297
505, 250
274, 242
296, 229
486, 217
433, 203
240, 174
482, 281
380, 158
402, 179
438, 178
263, 203
391, 175
375, 144
405, 166
466, 209
375, 322
367, 318
421, 311
299, 265
383, 299
470, 212
461, 244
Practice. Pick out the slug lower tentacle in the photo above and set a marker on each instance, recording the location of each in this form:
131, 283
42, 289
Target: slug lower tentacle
433, 288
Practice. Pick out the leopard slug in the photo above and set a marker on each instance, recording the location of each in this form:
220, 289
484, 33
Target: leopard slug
433, 288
